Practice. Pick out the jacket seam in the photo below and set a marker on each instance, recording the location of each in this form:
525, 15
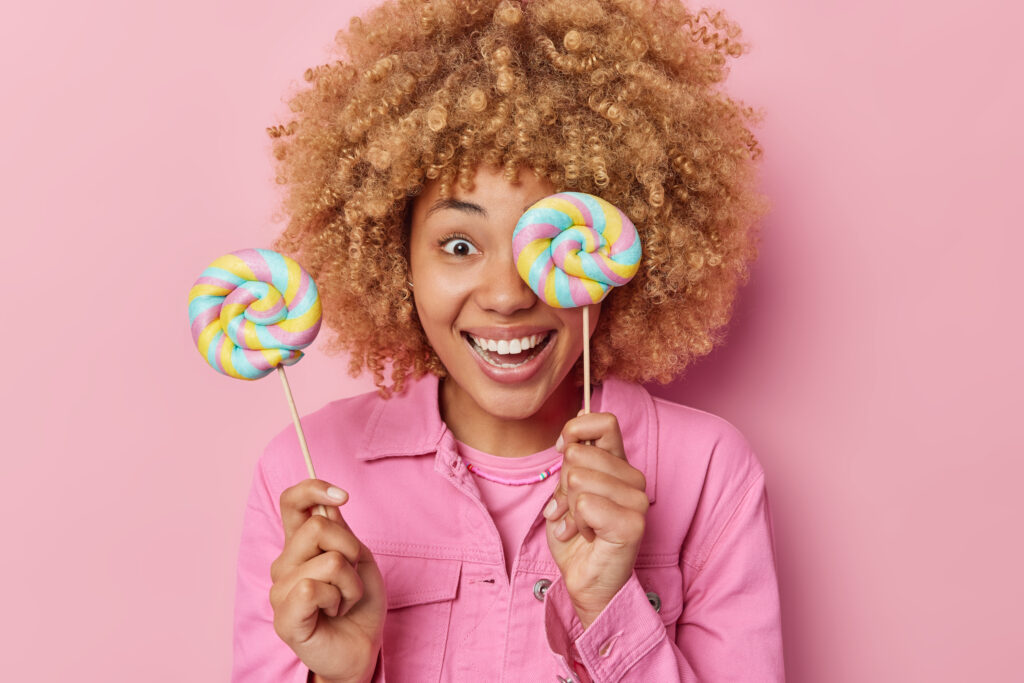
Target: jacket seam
272, 483
381, 547
728, 523
371, 432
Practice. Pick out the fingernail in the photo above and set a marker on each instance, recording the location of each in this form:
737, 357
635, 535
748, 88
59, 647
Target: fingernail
550, 508
559, 443
560, 529
335, 493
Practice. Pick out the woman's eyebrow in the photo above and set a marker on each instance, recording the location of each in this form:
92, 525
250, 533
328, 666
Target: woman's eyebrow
458, 205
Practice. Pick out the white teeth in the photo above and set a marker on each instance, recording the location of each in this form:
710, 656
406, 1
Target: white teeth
507, 347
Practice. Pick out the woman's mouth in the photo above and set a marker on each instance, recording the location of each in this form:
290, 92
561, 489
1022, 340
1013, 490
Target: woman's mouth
509, 353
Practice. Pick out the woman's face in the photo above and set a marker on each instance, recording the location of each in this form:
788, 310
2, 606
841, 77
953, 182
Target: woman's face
507, 353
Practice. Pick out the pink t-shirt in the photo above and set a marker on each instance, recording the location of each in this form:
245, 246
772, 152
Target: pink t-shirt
511, 507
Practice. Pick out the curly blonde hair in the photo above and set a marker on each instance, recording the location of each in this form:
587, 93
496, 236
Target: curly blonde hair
617, 98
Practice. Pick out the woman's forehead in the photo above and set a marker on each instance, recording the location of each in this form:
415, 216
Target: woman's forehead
490, 190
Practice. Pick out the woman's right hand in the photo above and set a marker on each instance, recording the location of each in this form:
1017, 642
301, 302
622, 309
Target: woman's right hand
328, 594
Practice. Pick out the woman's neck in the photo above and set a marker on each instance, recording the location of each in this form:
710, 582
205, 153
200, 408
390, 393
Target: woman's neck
511, 438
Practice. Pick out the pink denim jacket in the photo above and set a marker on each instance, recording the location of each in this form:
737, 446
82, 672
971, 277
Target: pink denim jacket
702, 603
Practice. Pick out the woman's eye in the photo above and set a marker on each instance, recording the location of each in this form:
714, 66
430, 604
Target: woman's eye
459, 247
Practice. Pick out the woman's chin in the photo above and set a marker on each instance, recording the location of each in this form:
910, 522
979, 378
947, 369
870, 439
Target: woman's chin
539, 402
501, 402
511, 408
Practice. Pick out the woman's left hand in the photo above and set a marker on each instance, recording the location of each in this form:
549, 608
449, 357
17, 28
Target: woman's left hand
601, 501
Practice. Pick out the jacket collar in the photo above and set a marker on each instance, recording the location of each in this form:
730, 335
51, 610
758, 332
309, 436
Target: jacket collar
410, 424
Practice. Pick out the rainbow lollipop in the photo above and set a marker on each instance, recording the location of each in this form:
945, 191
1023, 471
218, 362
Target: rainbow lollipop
571, 248
251, 311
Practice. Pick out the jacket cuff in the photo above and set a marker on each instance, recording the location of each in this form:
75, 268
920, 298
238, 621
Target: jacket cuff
378, 672
621, 635
561, 624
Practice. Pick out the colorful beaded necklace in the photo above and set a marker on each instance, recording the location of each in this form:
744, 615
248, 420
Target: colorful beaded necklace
515, 482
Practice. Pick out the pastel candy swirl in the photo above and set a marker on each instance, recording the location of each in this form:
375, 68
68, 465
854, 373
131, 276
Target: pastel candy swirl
572, 248
252, 310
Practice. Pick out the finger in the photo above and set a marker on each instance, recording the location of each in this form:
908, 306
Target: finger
577, 456
329, 567
585, 482
295, 617
566, 527
332, 567
601, 429
611, 522
599, 459
297, 503
316, 535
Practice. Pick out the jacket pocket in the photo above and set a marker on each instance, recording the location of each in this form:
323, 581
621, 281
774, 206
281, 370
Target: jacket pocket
420, 594
664, 588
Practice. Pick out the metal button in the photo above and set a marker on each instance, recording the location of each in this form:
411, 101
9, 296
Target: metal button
655, 601
540, 588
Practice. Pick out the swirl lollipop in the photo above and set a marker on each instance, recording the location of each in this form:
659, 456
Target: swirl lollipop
571, 248
251, 311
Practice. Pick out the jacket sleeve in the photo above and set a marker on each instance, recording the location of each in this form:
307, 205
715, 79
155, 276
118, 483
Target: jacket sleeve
259, 654
729, 630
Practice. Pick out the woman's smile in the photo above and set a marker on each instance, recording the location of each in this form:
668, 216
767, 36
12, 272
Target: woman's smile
508, 355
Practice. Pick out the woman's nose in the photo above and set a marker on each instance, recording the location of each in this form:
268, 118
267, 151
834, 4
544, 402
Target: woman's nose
503, 291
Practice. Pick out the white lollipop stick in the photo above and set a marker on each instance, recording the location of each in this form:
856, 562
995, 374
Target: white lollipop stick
586, 360
298, 430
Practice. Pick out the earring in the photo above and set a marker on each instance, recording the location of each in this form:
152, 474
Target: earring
409, 283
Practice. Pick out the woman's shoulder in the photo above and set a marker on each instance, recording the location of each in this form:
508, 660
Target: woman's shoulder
330, 419
356, 428
675, 422
341, 421
699, 425
726, 448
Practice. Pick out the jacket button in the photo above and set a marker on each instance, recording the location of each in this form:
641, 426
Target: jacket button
540, 588
655, 601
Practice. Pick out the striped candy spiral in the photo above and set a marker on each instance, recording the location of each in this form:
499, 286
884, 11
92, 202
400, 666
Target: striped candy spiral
572, 248
252, 310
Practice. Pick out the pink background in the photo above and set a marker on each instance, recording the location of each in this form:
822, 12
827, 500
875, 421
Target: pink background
870, 361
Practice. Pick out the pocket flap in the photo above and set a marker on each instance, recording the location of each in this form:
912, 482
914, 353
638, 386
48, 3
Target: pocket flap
418, 580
